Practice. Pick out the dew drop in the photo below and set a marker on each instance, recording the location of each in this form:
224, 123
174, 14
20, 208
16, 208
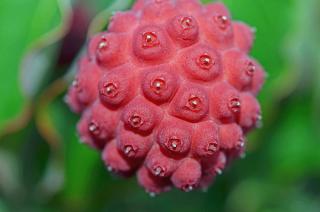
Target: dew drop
109, 168
222, 21
258, 121
158, 85
240, 143
150, 39
75, 83
158, 171
174, 143
110, 89
93, 128
151, 194
187, 188
194, 103
218, 171
135, 121
186, 22
205, 61
235, 105
103, 45
128, 150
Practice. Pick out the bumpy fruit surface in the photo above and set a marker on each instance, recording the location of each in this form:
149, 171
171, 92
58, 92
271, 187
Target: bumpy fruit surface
168, 92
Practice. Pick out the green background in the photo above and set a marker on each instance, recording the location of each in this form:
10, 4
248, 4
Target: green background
43, 167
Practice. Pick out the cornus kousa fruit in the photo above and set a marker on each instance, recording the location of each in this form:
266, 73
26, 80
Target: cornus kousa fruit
168, 93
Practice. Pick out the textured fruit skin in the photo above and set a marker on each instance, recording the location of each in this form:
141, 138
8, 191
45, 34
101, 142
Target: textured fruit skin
169, 92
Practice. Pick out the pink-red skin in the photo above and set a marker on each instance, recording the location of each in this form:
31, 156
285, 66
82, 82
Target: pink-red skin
191, 103
174, 137
188, 175
192, 61
168, 93
243, 36
205, 140
159, 164
133, 145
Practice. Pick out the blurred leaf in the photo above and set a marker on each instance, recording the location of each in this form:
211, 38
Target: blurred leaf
3, 207
9, 181
41, 53
24, 21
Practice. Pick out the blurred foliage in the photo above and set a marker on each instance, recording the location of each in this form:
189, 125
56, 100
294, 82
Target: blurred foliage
43, 167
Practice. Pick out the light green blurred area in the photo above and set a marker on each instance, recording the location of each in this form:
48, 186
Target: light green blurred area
281, 171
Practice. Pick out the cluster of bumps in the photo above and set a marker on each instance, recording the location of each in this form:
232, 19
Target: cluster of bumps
168, 92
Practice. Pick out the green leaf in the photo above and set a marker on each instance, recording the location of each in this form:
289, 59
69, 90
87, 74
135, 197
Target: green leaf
23, 22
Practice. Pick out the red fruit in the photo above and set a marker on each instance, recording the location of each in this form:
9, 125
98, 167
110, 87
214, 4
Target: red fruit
122, 22
231, 136
218, 26
191, 103
151, 43
250, 115
82, 93
174, 137
133, 146
184, 30
159, 164
243, 36
169, 91
116, 88
98, 125
239, 68
225, 102
212, 167
201, 63
141, 116
116, 162
109, 49
187, 180
153, 185
205, 140
159, 84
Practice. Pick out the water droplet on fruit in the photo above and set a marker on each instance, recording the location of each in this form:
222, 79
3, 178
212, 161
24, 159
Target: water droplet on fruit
194, 103
158, 171
240, 143
103, 45
250, 69
222, 21
158, 85
109, 168
258, 120
187, 188
186, 22
93, 128
205, 61
110, 89
75, 83
218, 171
174, 143
235, 105
128, 150
150, 39
151, 194
135, 121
